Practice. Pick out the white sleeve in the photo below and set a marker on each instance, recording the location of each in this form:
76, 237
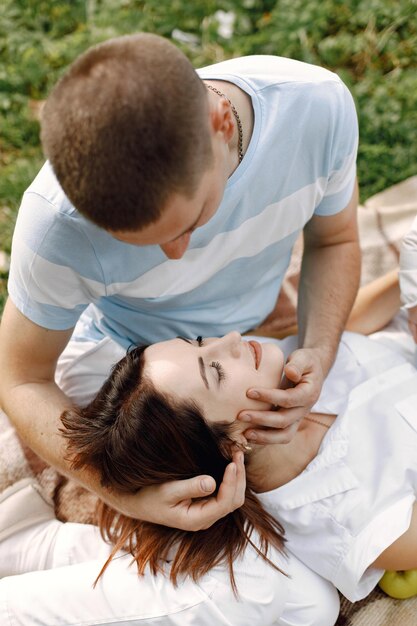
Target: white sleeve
408, 267
76, 552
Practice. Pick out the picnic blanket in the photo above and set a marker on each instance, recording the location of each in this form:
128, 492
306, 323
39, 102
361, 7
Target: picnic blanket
383, 220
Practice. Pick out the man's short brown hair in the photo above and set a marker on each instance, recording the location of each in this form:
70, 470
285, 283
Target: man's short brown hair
125, 127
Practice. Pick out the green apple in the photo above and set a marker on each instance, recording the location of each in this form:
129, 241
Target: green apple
401, 585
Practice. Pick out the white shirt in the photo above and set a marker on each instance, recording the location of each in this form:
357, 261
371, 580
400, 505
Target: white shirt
356, 497
408, 267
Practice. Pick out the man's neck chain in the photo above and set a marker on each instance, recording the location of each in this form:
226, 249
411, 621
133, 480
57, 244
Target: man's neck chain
238, 122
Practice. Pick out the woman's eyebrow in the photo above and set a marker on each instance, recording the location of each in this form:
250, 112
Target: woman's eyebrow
203, 371
184, 339
201, 365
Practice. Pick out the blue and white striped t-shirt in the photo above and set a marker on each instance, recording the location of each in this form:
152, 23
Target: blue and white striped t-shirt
300, 162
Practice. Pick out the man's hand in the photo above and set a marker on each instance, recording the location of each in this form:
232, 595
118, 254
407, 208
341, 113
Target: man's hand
187, 504
412, 322
302, 383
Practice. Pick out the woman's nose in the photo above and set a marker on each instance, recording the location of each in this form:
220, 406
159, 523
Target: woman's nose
232, 342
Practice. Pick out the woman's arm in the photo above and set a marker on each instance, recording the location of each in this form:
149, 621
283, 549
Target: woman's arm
376, 304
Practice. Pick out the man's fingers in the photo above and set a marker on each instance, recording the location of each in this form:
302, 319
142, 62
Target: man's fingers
197, 487
231, 495
190, 505
283, 398
279, 419
272, 419
239, 497
234, 479
286, 383
299, 363
231, 492
271, 435
300, 389
293, 373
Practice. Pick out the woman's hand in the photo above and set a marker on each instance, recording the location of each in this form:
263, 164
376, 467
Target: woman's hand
187, 504
300, 389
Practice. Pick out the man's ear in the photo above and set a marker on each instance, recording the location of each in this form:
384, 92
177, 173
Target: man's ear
221, 118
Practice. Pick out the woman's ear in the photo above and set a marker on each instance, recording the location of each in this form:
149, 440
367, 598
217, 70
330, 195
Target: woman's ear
241, 443
235, 442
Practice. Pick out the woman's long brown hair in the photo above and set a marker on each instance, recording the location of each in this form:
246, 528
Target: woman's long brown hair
135, 436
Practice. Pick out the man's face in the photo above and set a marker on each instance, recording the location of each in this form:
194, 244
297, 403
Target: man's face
181, 215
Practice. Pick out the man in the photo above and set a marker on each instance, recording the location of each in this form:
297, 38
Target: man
179, 198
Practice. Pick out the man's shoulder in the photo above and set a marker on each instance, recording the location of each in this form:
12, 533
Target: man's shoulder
49, 224
268, 69
46, 203
47, 189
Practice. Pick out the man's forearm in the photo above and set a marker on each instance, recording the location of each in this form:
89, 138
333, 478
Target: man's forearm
35, 409
328, 285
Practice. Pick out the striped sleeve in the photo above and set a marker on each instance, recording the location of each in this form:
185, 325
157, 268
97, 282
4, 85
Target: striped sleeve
54, 272
342, 148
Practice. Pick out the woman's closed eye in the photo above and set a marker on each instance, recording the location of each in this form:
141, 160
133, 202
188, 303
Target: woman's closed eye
221, 374
220, 370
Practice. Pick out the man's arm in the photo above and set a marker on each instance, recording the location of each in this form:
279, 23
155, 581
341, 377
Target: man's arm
329, 280
34, 403
328, 285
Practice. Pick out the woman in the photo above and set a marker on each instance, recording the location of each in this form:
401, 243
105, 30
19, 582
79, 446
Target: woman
69, 557
168, 411
163, 365
147, 425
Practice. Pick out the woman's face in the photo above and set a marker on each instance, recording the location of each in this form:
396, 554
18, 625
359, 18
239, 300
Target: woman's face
215, 373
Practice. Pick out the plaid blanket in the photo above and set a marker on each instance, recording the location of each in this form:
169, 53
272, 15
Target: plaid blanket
383, 220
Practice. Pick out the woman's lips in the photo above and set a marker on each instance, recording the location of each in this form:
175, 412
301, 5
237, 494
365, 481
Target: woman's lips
257, 352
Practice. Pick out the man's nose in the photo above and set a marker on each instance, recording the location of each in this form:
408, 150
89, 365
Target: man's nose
176, 249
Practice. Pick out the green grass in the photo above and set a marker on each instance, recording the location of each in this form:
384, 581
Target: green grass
371, 44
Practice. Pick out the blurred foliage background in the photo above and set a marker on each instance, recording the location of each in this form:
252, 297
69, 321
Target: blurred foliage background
371, 44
